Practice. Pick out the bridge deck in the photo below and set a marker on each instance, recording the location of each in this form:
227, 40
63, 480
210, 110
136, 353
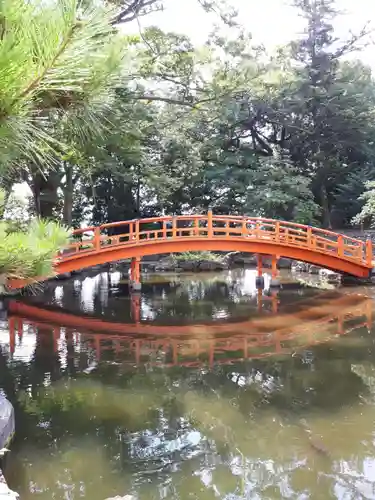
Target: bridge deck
136, 238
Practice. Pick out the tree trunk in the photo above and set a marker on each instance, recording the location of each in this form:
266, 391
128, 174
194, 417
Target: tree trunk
68, 195
138, 198
138, 193
44, 188
5, 201
324, 203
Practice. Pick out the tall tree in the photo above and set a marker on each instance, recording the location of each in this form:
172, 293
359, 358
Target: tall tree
330, 104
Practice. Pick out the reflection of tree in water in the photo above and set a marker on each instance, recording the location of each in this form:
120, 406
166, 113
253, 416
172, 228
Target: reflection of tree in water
184, 299
172, 298
195, 301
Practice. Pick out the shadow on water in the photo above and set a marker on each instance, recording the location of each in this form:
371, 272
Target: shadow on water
197, 388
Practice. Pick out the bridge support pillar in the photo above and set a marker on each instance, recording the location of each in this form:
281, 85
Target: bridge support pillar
259, 280
275, 281
135, 274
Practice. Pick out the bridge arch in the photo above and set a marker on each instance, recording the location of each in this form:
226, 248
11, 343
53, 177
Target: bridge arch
111, 254
138, 238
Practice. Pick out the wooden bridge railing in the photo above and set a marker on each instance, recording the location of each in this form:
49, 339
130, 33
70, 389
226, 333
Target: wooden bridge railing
152, 230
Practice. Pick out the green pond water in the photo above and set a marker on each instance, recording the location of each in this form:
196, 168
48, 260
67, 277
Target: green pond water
198, 388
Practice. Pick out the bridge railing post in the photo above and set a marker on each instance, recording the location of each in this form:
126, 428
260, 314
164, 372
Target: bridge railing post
340, 246
137, 230
277, 231
369, 254
244, 227
97, 242
209, 224
257, 230
196, 227
309, 237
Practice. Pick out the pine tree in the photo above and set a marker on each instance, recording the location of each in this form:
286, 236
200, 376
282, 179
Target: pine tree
330, 115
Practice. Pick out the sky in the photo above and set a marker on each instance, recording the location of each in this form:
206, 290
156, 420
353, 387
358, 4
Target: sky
271, 22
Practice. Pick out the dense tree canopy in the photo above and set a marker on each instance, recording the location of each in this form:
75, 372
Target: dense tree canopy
104, 125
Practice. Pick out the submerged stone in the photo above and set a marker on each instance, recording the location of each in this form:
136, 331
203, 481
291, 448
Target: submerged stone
5, 492
7, 426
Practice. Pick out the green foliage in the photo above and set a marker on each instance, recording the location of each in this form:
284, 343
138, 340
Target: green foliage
287, 135
348, 201
30, 254
2, 201
328, 110
58, 63
197, 256
367, 213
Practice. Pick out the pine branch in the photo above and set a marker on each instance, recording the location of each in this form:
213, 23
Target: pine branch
133, 10
34, 84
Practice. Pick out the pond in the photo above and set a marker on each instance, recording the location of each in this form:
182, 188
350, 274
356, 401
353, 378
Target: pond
201, 387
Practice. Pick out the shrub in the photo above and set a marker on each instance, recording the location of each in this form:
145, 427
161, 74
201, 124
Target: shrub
30, 253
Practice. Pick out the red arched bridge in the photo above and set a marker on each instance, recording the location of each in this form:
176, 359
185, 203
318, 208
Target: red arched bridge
137, 238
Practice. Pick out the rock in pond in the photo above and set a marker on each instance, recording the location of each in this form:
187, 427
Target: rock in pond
330, 276
7, 427
5, 492
300, 267
241, 259
303, 267
314, 269
211, 265
284, 263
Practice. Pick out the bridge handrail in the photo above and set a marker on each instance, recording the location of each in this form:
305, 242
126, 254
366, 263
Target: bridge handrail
224, 226
170, 218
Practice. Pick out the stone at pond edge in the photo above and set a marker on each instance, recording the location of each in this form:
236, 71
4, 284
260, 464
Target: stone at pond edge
5, 492
251, 260
314, 269
303, 267
284, 263
7, 426
330, 276
242, 259
325, 274
300, 267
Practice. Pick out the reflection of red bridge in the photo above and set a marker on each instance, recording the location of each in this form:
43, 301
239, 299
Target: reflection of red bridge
137, 238
196, 344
